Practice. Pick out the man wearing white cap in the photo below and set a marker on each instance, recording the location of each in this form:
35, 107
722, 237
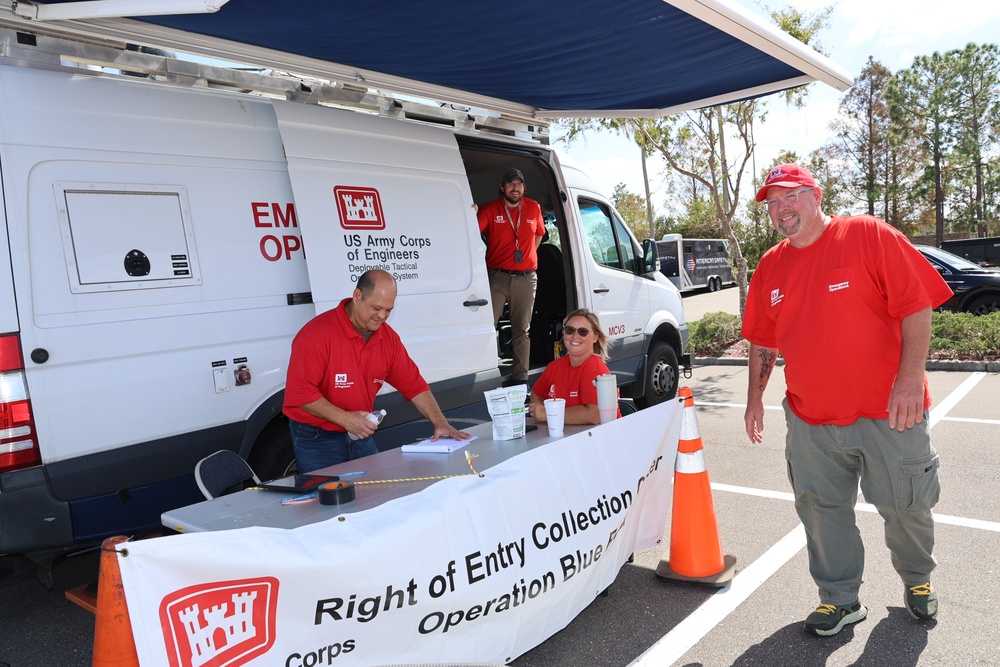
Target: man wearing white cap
513, 228
847, 303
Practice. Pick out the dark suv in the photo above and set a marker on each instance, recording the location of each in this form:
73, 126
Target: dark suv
977, 289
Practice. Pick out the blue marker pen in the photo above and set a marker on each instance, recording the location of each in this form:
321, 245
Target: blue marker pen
298, 499
353, 474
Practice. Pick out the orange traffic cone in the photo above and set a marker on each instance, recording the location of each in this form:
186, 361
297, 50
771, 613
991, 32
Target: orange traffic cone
695, 552
113, 642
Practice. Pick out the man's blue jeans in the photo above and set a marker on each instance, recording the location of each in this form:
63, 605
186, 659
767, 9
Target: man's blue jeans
317, 448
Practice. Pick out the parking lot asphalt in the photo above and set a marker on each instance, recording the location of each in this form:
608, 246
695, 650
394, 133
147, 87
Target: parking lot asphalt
757, 619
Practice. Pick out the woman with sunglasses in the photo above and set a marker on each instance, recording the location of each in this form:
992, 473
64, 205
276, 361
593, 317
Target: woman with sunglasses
572, 376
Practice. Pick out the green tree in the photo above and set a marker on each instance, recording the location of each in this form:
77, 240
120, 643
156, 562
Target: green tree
694, 145
920, 104
633, 210
976, 125
863, 132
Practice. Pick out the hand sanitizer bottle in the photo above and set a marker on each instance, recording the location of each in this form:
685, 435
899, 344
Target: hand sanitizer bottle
374, 417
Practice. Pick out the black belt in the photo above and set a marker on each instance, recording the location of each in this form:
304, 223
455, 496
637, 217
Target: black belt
512, 272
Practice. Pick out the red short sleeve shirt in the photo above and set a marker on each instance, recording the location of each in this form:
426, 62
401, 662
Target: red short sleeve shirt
499, 224
573, 383
833, 311
331, 360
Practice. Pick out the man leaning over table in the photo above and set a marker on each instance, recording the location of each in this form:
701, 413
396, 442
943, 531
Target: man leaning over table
339, 361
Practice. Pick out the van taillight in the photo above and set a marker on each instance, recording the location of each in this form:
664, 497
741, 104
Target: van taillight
18, 440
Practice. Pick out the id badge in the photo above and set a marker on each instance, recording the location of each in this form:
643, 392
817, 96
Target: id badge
518, 257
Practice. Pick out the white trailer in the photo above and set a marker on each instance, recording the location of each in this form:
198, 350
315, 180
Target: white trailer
692, 264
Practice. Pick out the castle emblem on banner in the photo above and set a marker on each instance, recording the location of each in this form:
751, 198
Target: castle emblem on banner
220, 624
359, 208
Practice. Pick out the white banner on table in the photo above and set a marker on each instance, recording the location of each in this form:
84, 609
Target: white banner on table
469, 569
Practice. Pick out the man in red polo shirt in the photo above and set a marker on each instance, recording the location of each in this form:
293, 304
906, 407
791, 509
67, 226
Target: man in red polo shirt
339, 361
513, 228
847, 302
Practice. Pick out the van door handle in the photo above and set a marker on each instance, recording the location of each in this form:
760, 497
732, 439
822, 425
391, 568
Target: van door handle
601, 290
477, 302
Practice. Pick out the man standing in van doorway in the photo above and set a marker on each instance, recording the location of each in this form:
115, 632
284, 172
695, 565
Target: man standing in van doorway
513, 228
339, 361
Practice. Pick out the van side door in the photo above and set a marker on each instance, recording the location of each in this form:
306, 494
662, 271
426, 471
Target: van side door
617, 293
377, 193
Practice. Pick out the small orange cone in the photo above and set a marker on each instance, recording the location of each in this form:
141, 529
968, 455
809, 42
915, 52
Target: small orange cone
695, 552
113, 642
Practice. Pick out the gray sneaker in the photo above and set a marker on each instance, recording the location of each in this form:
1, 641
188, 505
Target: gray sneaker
829, 619
921, 601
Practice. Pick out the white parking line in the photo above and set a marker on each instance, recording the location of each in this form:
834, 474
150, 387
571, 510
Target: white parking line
686, 634
951, 400
970, 420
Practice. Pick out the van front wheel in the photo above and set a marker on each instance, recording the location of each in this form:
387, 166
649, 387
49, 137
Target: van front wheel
272, 455
661, 375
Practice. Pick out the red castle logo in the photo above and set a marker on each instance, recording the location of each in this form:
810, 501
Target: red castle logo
359, 208
219, 624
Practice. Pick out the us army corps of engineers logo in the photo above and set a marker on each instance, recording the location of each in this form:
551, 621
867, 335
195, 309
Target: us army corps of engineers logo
219, 624
359, 208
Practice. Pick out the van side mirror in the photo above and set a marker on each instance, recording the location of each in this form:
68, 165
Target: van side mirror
650, 257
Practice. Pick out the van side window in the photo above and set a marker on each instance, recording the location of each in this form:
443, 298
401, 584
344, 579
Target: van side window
627, 251
609, 241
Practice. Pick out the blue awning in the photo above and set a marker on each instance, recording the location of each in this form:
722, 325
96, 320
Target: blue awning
543, 57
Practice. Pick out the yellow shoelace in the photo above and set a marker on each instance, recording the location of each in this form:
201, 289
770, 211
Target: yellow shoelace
921, 589
826, 609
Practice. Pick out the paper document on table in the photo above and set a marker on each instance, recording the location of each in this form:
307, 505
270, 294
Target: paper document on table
441, 446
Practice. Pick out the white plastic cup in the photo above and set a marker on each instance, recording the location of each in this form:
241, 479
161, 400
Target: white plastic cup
607, 397
555, 415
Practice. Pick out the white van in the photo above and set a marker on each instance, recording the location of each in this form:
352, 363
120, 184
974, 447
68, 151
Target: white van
164, 243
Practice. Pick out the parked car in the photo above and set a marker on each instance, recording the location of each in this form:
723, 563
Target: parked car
977, 289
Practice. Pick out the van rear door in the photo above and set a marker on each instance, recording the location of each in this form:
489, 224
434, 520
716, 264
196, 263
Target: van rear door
380, 193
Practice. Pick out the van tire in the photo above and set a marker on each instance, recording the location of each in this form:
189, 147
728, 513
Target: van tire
661, 375
272, 455
713, 286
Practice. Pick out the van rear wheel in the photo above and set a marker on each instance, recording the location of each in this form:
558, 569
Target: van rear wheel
661, 375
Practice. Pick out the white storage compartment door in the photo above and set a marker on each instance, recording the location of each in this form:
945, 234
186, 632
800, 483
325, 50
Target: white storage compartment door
378, 193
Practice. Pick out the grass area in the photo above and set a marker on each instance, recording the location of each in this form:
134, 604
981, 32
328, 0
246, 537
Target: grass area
953, 336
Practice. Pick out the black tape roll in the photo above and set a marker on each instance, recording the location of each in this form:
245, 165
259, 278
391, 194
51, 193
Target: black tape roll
336, 493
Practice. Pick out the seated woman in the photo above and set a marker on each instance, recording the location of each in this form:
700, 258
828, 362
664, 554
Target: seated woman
572, 376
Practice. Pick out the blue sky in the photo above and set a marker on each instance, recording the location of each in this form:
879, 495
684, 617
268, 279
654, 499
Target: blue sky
893, 31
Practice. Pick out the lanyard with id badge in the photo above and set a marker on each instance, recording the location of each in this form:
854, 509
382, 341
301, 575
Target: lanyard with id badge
518, 255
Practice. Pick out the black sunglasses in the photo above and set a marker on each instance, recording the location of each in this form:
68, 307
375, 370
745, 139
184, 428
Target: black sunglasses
569, 331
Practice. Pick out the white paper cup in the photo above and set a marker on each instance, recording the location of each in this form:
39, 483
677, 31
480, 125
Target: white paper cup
555, 415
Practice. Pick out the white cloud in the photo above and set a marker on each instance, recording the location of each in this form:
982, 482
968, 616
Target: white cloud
895, 31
